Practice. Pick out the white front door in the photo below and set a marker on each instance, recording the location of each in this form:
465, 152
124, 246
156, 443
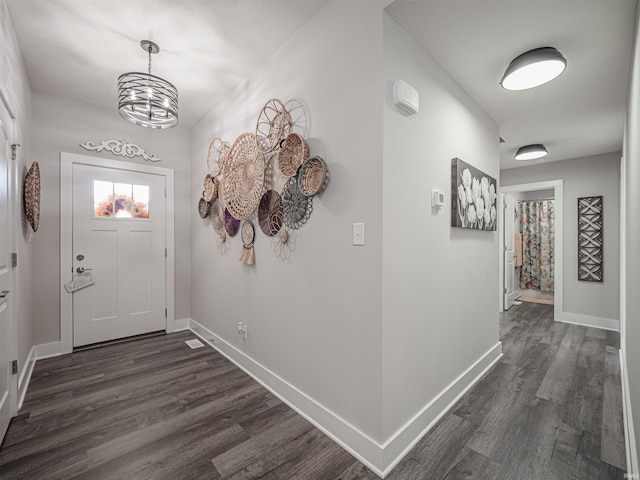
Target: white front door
510, 292
119, 221
8, 380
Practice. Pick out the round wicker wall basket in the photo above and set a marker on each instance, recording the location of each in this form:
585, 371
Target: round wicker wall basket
244, 178
313, 177
292, 154
31, 196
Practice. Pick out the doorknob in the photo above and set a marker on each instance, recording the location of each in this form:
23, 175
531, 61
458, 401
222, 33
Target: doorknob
80, 269
4, 293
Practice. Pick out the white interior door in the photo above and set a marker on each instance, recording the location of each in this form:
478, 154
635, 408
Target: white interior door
8, 380
508, 228
119, 222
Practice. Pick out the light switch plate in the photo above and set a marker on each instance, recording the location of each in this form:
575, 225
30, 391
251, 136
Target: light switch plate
358, 234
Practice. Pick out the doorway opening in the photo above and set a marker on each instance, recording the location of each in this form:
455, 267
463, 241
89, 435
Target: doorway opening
541, 283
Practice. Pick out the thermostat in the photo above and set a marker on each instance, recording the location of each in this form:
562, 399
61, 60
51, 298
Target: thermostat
437, 198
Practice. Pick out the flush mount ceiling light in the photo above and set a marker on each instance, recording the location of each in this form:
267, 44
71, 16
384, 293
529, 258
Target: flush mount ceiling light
533, 68
531, 152
145, 99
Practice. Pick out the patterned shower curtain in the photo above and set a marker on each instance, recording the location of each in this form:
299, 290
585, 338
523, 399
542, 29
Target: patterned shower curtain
537, 218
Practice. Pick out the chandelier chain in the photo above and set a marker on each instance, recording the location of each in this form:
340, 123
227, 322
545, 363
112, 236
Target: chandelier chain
149, 59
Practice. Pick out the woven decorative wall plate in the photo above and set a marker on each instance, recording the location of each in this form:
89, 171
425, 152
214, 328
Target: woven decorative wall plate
313, 177
296, 207
292, 154
217, 218
210, 186
274, 124
270, 213
203, 207
244, 177
218, 156
31, 196
231, 223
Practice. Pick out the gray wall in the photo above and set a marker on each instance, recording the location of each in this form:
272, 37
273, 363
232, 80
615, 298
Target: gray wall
316, 323
440, 283
60, 125
584, 177
15, 85
631, 254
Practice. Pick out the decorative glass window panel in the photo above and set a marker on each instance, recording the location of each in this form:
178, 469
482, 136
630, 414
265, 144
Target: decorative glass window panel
141, 201
120, 200
102, 198
123, 200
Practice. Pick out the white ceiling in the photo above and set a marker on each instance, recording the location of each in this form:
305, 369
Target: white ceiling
78, 48
578, 114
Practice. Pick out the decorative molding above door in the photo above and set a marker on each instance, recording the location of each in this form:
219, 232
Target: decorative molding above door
121, 148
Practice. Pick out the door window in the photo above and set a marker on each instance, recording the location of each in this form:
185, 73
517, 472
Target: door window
120, 200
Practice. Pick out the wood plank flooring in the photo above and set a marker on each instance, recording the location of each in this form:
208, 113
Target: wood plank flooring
155, 409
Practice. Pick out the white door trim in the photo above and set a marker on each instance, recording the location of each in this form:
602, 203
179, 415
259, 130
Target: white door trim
67, 160
557, 185
8, 119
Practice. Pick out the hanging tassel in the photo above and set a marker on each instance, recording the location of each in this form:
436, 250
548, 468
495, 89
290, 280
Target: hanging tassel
248, 256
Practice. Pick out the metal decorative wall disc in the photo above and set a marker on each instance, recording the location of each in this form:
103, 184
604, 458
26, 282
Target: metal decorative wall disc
296, 207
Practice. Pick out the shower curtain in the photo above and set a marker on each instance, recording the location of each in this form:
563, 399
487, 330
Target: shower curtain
537, 220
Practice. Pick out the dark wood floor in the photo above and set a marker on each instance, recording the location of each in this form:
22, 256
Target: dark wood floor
155, 409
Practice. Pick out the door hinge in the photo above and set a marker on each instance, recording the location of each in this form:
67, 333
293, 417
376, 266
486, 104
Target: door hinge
505, 290
165, 253
14, 151
14, 259
165, 313
14, 367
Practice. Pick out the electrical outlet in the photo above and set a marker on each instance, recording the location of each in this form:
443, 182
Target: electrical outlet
242, 330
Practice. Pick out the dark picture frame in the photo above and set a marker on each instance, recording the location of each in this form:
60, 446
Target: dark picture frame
474, 197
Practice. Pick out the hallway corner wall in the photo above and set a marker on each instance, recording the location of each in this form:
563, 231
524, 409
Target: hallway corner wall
440, 319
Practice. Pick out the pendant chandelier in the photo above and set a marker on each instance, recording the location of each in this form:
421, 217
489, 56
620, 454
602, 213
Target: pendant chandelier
145, 99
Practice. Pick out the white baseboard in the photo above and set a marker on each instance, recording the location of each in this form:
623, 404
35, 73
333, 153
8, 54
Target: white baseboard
25, 376
589, 321
46, 350
358, 444
37, 352
629, 433
178, 325
410, 434
380, 458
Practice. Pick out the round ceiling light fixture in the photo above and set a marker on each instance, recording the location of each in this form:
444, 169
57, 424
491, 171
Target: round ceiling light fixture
145, 99
531, 152
533, 68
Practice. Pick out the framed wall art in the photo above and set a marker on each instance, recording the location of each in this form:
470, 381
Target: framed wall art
473, 197
590, 239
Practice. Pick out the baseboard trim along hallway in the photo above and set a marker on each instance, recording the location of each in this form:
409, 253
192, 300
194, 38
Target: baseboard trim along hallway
380, 458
